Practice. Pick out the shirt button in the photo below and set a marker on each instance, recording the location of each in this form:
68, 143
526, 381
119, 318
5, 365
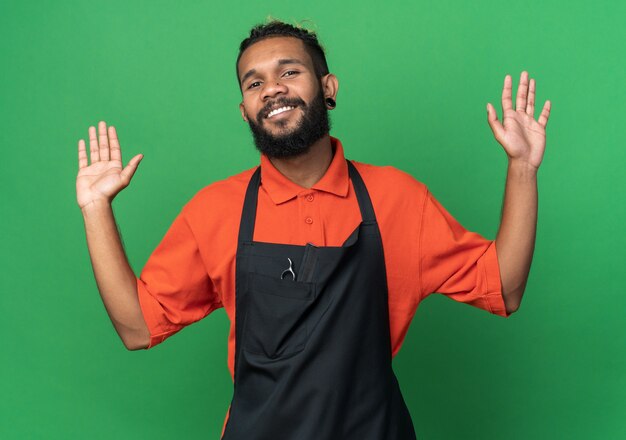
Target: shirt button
308, 220
309, 198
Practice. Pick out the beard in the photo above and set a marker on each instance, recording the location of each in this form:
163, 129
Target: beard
313, 124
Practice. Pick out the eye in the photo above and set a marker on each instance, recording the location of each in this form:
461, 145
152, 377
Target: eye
288, 73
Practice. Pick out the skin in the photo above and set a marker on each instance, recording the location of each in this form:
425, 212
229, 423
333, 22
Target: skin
522, 137
96, 186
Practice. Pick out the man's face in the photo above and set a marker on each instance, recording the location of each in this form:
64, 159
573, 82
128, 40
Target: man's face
283, 100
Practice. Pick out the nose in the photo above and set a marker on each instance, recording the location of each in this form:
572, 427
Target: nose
272, 89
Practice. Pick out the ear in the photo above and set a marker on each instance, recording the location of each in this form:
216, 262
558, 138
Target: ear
330, 86
243, 112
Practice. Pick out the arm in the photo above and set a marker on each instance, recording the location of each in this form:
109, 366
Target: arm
515, 240
523, 139
96, 186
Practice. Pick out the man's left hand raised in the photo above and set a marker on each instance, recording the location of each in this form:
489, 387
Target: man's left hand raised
522, 137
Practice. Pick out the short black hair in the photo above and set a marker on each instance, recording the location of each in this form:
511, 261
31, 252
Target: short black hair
277, 28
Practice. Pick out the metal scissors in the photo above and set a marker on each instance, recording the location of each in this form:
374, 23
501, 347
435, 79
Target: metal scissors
288, 271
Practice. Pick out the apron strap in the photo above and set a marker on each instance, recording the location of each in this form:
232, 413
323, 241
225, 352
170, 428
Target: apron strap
362, 196
248, 215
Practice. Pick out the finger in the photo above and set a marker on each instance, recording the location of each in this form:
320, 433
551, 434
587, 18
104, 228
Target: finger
93, 145
530, 106
492, 119
507, 103
522, 92
116, 153
129, 170
545, 114
82, 154
103, 141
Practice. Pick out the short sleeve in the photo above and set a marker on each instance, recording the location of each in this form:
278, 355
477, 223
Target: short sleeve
174, 288
458, 263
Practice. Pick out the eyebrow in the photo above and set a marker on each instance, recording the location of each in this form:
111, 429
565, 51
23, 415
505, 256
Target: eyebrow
281, 62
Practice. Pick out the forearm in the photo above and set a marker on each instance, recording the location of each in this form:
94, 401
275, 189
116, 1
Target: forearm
115, 278
515, 241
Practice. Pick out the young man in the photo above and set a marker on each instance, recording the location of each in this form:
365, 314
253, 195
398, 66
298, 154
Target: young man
319, 262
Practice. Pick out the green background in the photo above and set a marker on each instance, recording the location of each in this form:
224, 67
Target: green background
414, 81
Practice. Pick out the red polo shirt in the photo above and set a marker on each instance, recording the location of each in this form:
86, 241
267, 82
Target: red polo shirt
192, 271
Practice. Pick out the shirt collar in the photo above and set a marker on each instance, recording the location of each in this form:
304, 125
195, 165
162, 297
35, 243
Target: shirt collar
280, 188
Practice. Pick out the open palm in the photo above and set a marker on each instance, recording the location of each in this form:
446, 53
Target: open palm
522, 137
105, 177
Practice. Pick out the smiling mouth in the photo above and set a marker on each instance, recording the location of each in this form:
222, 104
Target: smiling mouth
280, 110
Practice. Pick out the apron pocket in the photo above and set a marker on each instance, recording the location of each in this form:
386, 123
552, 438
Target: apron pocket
275, 322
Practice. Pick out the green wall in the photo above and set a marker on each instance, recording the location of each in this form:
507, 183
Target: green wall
414, 81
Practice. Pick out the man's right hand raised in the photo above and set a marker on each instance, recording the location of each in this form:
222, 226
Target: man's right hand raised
96, 186
105, 177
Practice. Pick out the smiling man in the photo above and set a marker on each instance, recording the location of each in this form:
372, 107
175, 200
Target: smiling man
286, 88
287, 126
320, 262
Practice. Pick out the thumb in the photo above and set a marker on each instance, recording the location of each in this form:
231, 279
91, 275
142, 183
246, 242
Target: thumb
129, 170
496, 126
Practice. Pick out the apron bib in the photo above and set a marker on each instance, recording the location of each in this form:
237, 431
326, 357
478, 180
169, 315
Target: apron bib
313, 347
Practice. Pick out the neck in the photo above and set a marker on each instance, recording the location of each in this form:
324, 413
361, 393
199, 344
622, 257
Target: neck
307, 169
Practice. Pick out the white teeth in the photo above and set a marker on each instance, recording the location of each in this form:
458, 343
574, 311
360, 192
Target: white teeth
279, 110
